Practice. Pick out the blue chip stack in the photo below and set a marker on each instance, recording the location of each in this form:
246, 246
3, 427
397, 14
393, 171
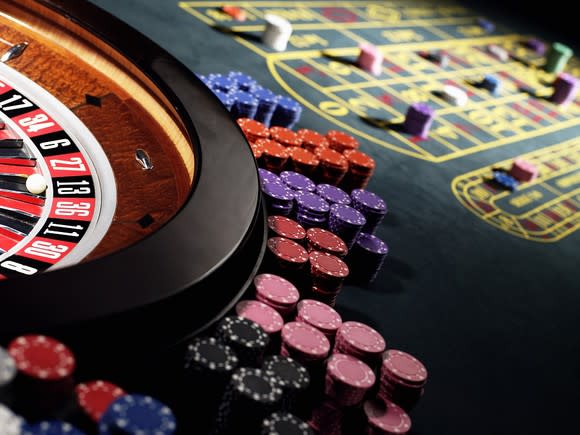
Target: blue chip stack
134, 413
227, 100
346, 222
505, 180
245, 105
296, 181
224, 84
372, 206
311, 209
333, 194
52, 427
267, 103
279, 197
486, 25
287, 113
367, 257
244, 82
492, 83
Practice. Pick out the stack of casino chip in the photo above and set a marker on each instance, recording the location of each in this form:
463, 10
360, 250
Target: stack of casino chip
386, 418
10, 423
372, 206
285, 136
304, 343
370, 59
311, 209
222, 83
268, 177
244, 82
361, 341
327, 418
319, 239
277, 32
251, 396
492, 83
277, 292
565, 89
287, 113
245, 105
524, 171
348, 379
328, 273
346, 222
284, 423
264, 315
536, 45
367, 257
302, 161
8, 373
44, 384
267, 102
296, 181
248, 340
274, 155
227, 100
281, 226
557, 57
505, 180
285, 257
135, 413
51, 427
333, 166
253, 130
419, 119
360, 170
312, 140
279, 197
341, 141
293, 378
498, 52
333, 194
403, 378
319, 315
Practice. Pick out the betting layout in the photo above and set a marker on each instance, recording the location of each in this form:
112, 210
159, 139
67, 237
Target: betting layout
318, 68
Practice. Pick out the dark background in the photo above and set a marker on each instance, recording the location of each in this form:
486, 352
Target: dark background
494, 317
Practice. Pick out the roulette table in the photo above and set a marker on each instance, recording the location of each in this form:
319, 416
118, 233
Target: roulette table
152, 224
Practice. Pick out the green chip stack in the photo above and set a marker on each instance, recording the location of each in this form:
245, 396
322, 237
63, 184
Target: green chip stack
557, 58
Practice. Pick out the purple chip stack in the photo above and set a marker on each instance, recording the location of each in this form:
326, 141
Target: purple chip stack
311, 209
333, 194
268, 177
536, 45
565, 89
296, 181
367, 257
279, 198
346, 222
372, 206
419, 119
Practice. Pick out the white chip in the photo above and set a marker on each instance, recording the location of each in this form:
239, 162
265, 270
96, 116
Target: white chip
10, 423
277, 32
498, 52
36, 184
455, 95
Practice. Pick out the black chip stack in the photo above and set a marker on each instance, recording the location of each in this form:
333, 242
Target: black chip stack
284, 423
293, 378
246, 338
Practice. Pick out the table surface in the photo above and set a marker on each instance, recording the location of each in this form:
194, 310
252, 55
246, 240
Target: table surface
480, 284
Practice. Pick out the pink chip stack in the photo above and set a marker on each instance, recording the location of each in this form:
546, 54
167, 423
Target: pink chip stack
360, 341
327, 418
386, 418
403, 378
347, 379
277, 292
304, 343
370, 59
522, 170
264, 315
319, 315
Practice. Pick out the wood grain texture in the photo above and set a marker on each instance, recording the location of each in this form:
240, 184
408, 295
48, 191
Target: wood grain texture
70, 63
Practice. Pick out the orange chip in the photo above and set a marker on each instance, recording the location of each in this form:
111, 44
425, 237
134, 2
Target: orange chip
360, 161
331, 158
312, 139
285, 136
341, 141
236, 13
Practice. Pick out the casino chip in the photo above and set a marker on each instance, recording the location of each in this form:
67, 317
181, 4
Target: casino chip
42, 357
347, 379
50, 428
320, 315
284, 227
264, 315
386, 418
277, 292
7, 368
95, 397
360, 341
207, 354
333, 194
137, 414
284, 423
10, 423
341, 141
288, 373
318, 239
312, 140
304, 342
405, 367
246, 338
297, 182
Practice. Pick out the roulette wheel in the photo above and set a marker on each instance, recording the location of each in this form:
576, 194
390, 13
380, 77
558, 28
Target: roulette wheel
130, 214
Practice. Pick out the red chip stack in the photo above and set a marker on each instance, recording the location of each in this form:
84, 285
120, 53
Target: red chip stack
347, 379
328, 273
386, 418
281, 226
332, 168
274, 155
286, 256
360, 170
277, 292
285, 137
403, 378
360, 341
319, 315
302, 161
253, 130
341, 141
318, 239
311, 140
304, 343
95, 397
